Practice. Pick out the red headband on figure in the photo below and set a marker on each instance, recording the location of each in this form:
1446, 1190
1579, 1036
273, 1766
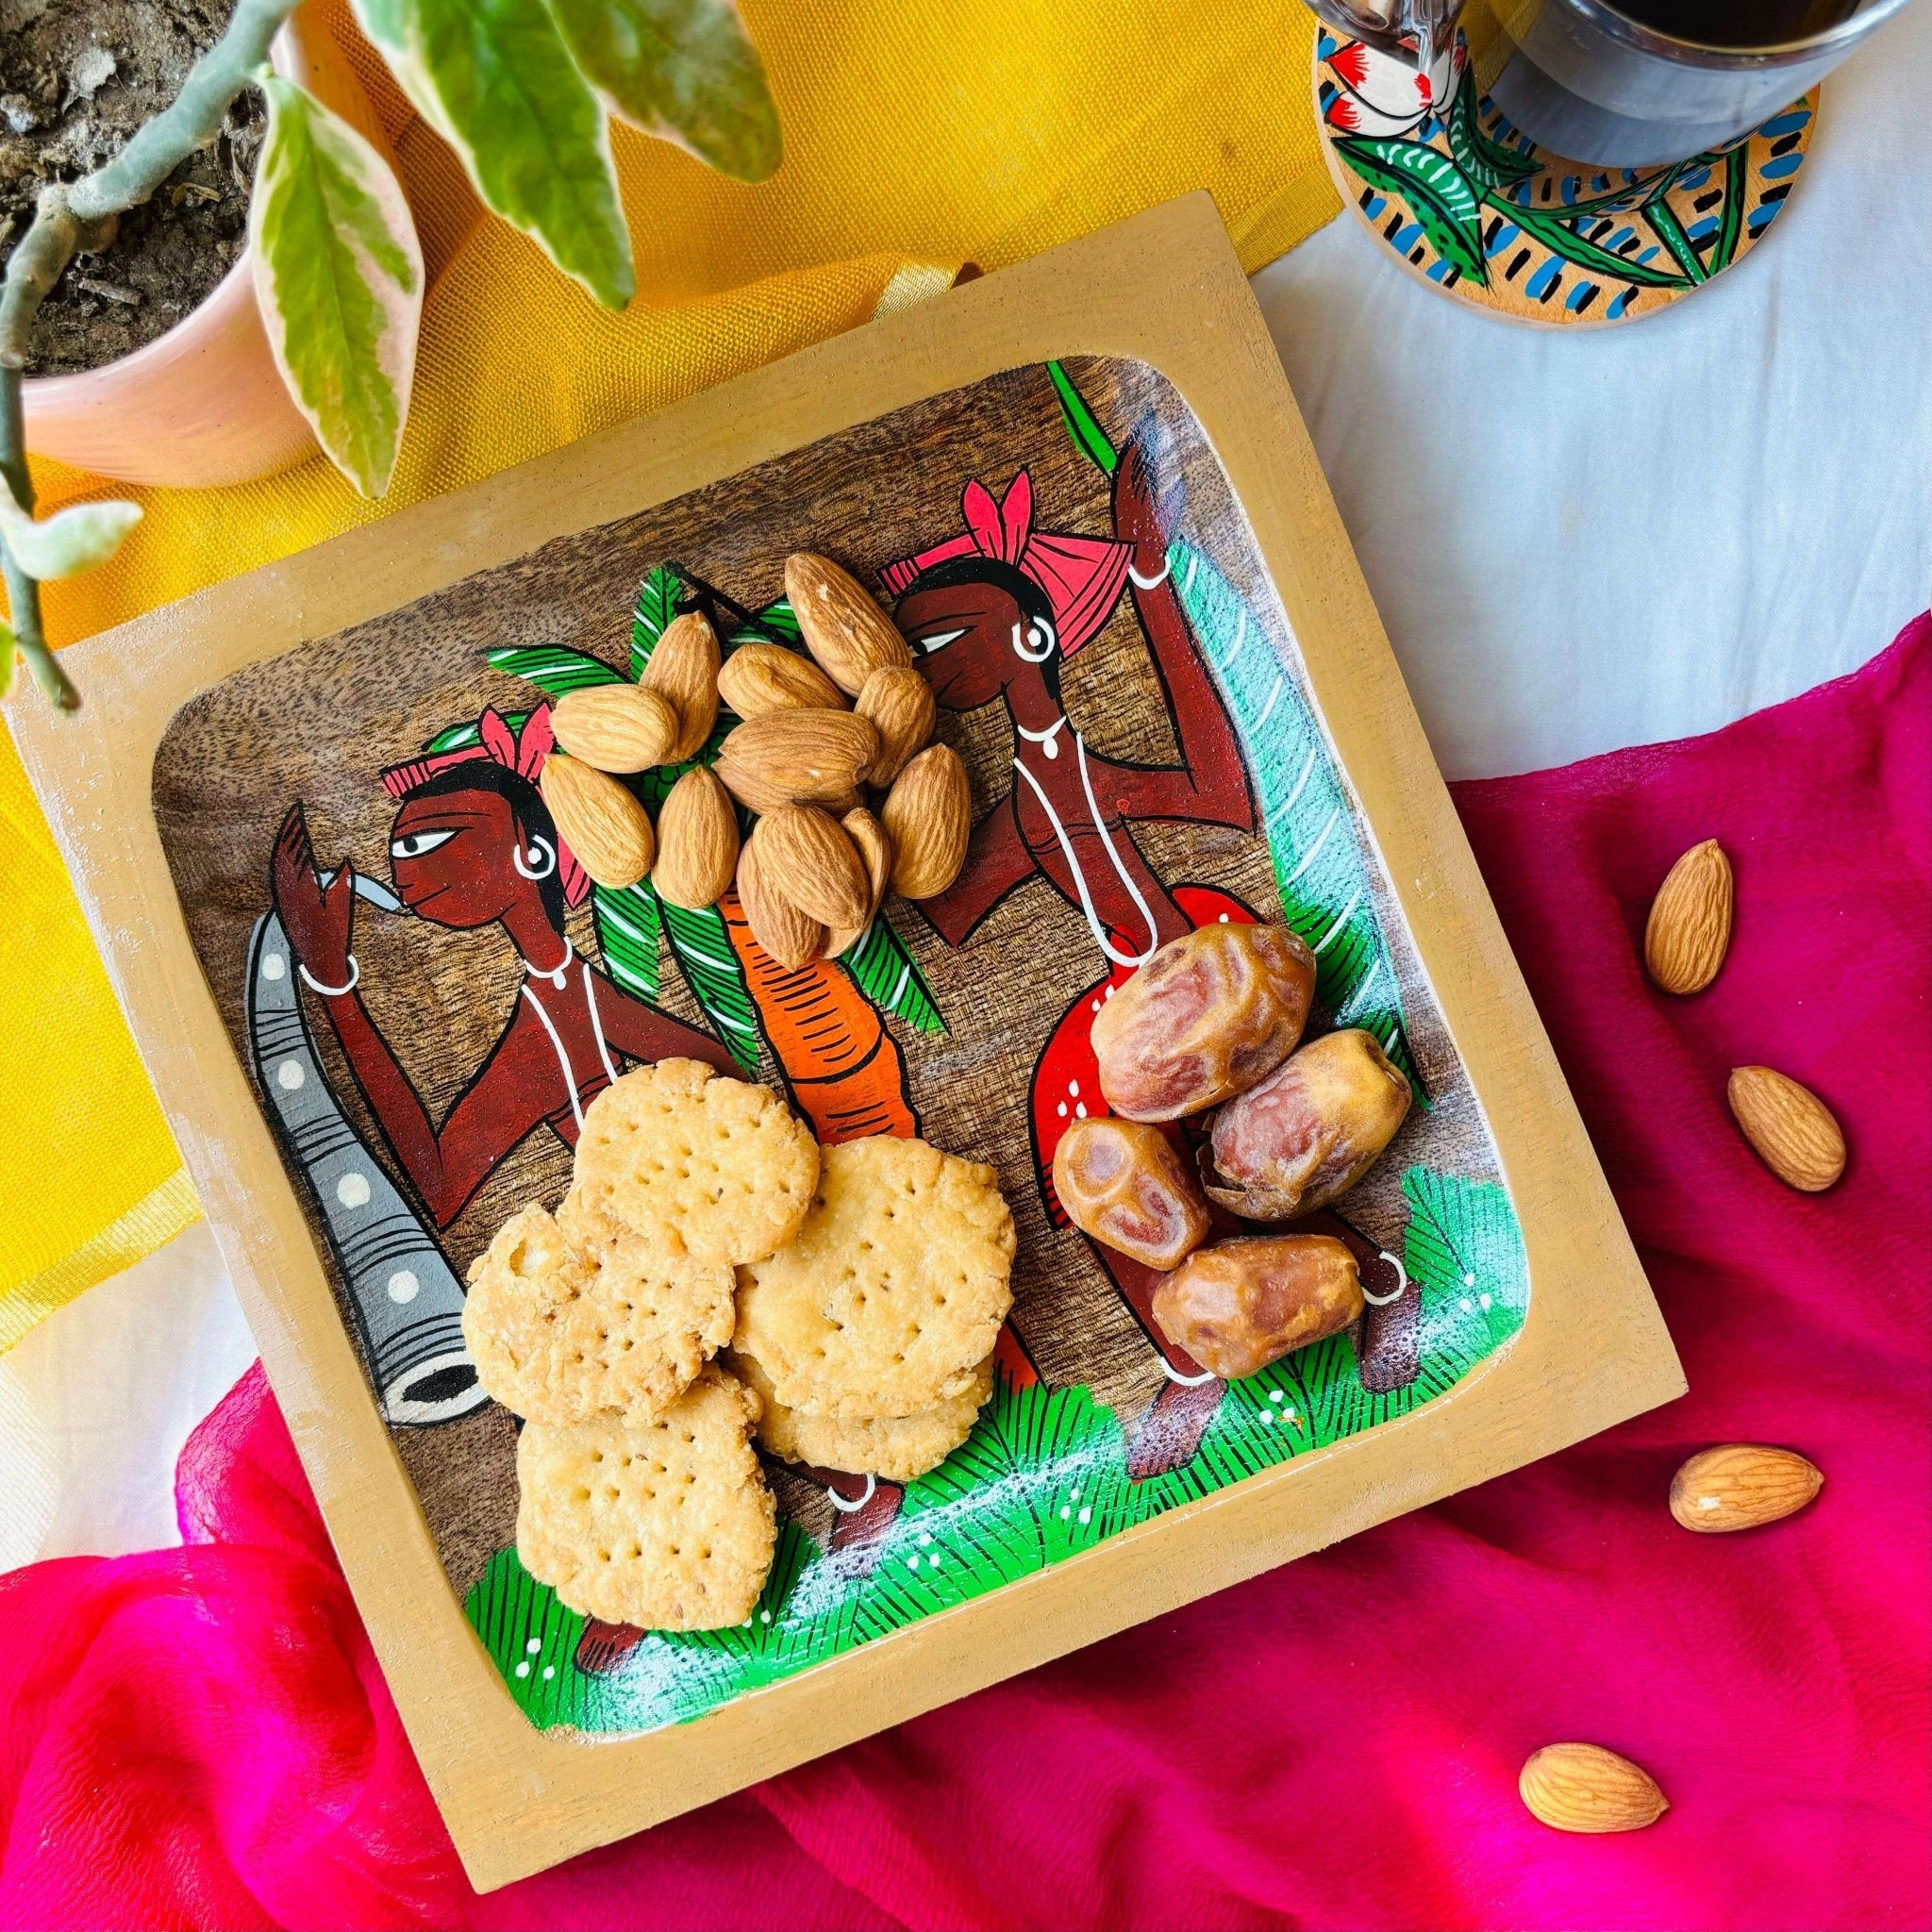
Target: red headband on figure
501, 743
1082, 577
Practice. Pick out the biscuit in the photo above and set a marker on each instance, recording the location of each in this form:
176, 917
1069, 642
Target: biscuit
666, 1524
893, 1290
699, 1168
895, 1447
558, 1333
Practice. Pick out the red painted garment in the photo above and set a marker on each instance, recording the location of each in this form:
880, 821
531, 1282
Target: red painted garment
200, 1737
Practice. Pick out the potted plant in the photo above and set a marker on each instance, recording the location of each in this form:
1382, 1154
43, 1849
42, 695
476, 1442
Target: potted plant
522, 90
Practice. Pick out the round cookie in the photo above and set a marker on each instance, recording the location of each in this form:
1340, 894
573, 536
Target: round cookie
893, 1292
558, 1333
666, 1524
895, 1447
698, 1167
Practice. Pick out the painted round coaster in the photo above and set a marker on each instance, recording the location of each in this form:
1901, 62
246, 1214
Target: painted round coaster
1464, 201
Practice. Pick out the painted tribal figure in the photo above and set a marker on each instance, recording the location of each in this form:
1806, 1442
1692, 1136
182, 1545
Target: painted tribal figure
992, 614
473, 845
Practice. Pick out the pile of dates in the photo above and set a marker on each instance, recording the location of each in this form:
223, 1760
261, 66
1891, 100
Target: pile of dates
1214, 1021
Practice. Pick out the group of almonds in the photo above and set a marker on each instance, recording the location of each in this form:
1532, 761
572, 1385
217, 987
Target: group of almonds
813, 732
1737, 1484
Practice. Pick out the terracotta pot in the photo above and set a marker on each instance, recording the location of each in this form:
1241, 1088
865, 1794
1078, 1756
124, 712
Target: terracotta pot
202, 404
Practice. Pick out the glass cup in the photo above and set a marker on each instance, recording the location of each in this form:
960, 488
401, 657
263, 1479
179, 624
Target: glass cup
1591, 82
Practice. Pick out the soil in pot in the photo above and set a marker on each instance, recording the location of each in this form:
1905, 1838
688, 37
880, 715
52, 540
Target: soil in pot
77, 77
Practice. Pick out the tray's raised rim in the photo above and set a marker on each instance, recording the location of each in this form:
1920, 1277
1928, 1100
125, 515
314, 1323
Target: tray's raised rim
1163, 287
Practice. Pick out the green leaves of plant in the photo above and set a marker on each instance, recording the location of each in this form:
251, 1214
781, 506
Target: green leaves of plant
339, 280
682, 68
71, 541
518, 88
1434, 186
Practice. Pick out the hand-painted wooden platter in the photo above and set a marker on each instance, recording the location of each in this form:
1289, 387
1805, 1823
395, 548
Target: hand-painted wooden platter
1082, 489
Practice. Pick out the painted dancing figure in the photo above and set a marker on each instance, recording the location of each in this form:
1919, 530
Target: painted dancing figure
992, 614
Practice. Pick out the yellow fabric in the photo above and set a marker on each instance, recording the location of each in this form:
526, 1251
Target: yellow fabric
919, 135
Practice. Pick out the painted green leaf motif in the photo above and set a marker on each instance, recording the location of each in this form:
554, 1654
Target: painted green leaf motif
683, 69
627, 929
1436, 190
77, 538
1320, 866
886, 973
1562, 238
553, 668
1730, 220
656, 607
339, 281
1090, 439
531, 135
704, 952
1670, 231
1486, 160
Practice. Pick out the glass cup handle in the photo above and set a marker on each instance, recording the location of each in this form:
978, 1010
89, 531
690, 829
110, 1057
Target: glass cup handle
1416, 32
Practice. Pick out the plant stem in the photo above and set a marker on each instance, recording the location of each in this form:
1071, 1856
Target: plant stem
79, 217
23, 593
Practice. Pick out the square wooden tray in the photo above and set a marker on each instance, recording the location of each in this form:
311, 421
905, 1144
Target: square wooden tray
1162, 291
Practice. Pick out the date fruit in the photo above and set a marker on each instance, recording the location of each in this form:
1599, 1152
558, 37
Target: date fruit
1208, 1016
1308, 1132
1122, 1183
1243, 1304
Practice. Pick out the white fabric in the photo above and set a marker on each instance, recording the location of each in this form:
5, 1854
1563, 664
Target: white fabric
1576, 541
1585, 538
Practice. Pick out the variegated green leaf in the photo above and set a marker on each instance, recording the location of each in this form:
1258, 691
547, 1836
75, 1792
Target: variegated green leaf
532, 137
685, 69
339, 281
77, 538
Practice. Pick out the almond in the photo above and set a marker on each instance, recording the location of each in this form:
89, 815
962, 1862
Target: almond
842, 627
1741, 1485
807, 857
684, 667
599, 820
697, 842
1689, 928
616, 727
1584, 1787
929, 816
1793, 1129
779, 925
899, 701
761, 679
796, 758
876, 847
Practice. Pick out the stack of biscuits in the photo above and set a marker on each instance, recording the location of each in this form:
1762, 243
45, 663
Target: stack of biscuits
861, 1287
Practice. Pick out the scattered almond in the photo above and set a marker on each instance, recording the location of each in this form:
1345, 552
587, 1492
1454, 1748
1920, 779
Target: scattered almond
929, 816
899, 701
1741, 1485
684, 667
760, 679
807, 857
1792, 1131
697, 841
876, 847
797, 758
842, 627
616, 727
779, 926
1584, 1787
1689, 926
599, 820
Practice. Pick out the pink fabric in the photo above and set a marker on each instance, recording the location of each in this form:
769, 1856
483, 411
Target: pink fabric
200, 1737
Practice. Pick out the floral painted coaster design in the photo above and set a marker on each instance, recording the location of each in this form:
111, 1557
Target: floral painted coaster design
1464, 201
